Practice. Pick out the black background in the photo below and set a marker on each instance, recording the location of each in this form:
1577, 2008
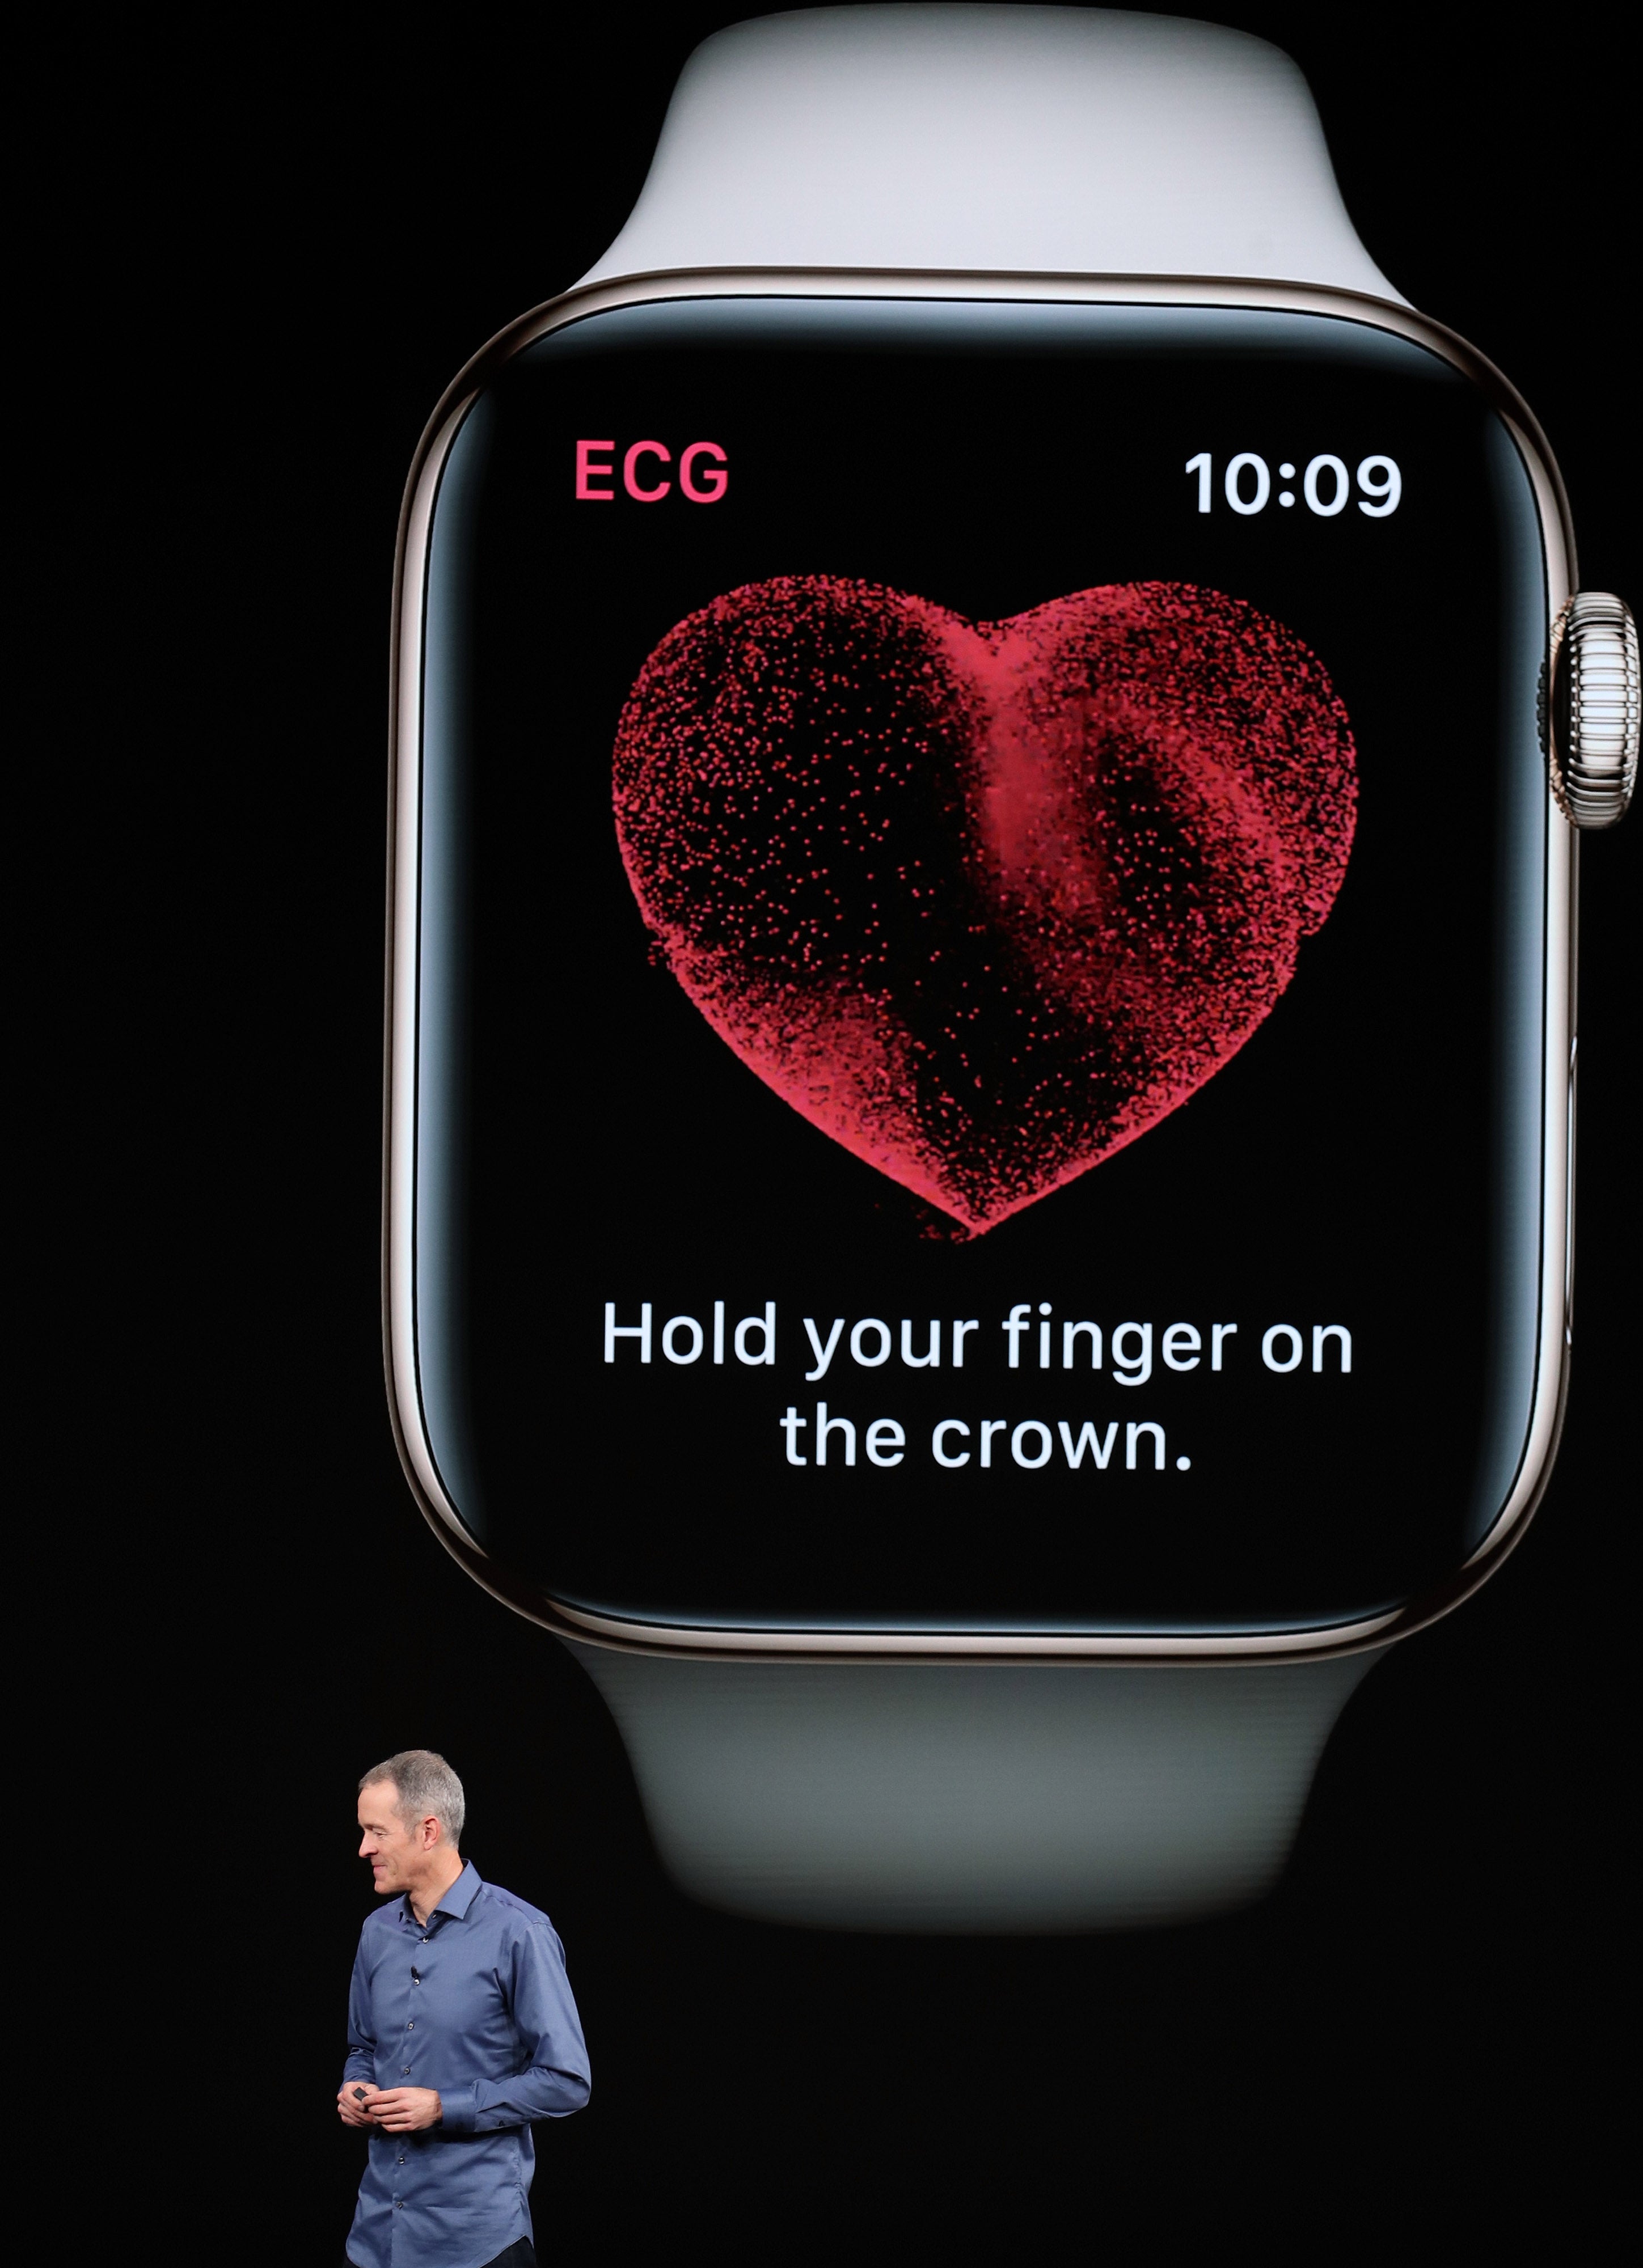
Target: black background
297, 227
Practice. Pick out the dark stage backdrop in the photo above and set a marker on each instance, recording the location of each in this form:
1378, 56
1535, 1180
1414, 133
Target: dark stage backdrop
318, 220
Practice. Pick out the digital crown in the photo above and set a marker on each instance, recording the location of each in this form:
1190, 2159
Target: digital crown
1591, 717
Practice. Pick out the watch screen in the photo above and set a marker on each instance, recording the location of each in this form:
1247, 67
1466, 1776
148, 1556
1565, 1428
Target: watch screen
981, 939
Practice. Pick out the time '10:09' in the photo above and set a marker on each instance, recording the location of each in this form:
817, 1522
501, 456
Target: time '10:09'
1326, 485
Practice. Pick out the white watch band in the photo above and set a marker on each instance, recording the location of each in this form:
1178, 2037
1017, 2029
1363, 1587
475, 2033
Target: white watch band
1085, 141
959, 1796
954, 1795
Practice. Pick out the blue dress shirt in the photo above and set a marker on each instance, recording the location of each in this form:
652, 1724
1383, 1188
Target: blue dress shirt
476, 2004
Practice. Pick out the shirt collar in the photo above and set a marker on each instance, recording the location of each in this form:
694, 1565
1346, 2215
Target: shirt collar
462, 1893
456, 1900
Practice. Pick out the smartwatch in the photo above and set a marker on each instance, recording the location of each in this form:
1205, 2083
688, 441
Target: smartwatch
989, 734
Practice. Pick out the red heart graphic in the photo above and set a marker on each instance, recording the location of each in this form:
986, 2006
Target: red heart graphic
983, 900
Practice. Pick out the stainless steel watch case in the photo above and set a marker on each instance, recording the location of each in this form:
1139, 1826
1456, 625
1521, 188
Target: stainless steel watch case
1556, 1279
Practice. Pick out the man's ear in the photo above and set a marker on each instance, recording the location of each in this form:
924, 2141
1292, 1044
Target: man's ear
430, 1832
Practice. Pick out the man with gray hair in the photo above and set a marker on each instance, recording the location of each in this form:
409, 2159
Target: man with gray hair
461, 2030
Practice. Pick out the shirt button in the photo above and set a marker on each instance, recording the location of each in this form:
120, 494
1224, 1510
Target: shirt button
405, 2070
412, 2025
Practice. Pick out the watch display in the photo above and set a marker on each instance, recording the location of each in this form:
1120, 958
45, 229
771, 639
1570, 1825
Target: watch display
980, 937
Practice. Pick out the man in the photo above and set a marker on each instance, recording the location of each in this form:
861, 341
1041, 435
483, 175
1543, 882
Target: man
461, 2031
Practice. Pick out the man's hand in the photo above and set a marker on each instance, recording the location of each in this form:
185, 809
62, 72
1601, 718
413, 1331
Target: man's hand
349, 2109
404, 2109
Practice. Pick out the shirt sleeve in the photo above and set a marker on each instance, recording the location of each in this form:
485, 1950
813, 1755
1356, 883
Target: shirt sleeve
361, 2063
555, 2081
